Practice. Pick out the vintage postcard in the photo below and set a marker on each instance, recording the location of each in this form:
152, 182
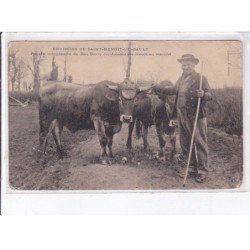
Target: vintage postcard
125, 114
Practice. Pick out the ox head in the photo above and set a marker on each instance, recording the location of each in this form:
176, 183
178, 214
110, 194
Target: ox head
164, 97
125, 94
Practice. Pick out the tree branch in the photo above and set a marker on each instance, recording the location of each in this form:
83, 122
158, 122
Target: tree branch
29, 67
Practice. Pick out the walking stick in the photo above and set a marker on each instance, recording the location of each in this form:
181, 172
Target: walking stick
194, 128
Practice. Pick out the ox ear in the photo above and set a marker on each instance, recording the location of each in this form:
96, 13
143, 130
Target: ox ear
112, 95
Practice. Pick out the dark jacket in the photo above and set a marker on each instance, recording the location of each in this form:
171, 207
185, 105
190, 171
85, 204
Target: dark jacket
191, 95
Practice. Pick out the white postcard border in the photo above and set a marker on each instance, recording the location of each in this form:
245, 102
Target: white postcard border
145, 202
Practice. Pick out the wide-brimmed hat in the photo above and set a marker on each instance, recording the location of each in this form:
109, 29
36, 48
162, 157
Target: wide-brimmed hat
188, 57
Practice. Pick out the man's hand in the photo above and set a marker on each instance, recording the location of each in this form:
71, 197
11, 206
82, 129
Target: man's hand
200, 93
173, 123
156, 88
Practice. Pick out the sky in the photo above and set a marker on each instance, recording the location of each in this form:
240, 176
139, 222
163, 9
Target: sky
93, 61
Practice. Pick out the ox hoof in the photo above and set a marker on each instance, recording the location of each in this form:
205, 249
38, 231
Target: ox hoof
162, 143
146, 150
110, 161
130, 152
111, 156
178, 158
160, 153
106, 161
62, 154
124, 160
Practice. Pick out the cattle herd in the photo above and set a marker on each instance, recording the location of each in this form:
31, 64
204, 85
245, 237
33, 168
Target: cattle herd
104, 107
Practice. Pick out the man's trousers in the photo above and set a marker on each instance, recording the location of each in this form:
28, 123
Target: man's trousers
199, 159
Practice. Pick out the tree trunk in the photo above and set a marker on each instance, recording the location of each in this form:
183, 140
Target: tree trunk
36, 84
37, 80
19, 85
25, 86
13, 84
65, 71
127, 79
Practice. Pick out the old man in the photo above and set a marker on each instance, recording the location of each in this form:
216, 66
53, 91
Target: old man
187, 93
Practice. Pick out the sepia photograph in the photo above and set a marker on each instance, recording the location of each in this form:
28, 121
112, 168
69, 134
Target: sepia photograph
125, 115
128, 124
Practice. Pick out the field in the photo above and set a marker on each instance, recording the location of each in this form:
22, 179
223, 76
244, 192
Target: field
30, 170
225, 110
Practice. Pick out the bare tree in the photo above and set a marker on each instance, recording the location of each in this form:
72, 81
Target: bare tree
25, 85
70, 79
65, 70
37, 58
21, 74
12, 68
54, 71
127, 79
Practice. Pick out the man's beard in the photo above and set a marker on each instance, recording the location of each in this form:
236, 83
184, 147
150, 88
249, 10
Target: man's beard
187, 73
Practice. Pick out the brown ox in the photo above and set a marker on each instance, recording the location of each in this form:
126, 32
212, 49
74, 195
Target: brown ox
103, 107
151, 109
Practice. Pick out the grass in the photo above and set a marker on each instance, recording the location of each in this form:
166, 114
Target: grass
225, 110
23, 96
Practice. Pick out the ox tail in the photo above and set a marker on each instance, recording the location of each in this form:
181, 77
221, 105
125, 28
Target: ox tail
43, 121
138, 128
40, 110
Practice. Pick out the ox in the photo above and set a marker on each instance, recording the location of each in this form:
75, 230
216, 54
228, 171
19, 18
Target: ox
103, 106
154, 109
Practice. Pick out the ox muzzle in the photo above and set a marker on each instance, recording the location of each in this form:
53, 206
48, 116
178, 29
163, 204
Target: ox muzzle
126, 118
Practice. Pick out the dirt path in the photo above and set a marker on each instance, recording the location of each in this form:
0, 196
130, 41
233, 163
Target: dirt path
82, 171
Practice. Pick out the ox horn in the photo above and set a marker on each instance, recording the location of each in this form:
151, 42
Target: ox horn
144, 88
113, 87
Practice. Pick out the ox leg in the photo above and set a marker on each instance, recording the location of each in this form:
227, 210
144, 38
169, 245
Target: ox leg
56, 132
45, 131
44, 127
44, 122
176, 151
129, 140
162, 142
43, 134
109, 133
145, 136
100, 130
110, 143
